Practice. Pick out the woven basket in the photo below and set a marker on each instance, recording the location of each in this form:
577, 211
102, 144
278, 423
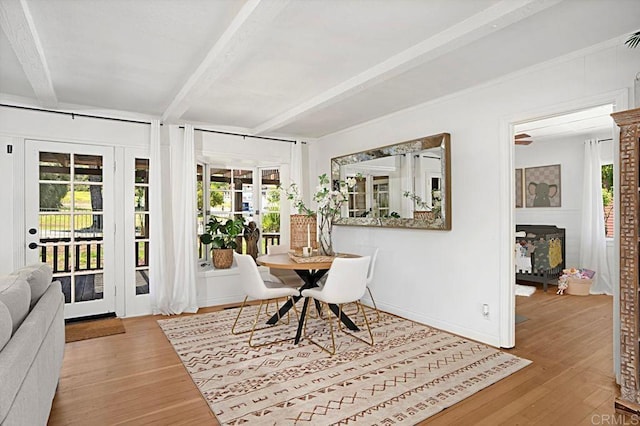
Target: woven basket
425, 215
299, 228
579, 287
222, 258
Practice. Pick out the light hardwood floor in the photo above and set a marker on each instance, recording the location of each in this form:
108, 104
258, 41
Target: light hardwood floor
136, 378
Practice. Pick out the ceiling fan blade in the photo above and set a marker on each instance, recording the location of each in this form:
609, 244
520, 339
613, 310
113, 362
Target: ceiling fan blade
522, 136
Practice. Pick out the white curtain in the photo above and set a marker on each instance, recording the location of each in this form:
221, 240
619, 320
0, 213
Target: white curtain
172, 236
593, 248
183, 180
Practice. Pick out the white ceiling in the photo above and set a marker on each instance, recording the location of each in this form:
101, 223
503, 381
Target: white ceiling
300, 68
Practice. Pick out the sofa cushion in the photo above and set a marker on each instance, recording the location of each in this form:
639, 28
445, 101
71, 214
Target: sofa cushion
6, 325
38, 276
15, 294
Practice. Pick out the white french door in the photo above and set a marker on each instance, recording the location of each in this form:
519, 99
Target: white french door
69, 221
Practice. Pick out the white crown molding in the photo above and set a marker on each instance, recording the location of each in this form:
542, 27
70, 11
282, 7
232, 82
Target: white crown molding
17, 23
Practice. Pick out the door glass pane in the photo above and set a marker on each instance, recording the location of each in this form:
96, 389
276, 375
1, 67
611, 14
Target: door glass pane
54, 197
87, 226
142, 170
58, 256
142, 282
142, 225
87, 168
141, 198
142, 253
55, 166
54, 226
88, 256
87, 198
88, 287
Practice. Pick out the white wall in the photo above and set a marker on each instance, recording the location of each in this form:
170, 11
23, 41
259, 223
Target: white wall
569, 153
444, 278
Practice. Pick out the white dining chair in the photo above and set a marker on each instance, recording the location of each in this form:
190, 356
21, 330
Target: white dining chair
370, 272
347, 283
256, 288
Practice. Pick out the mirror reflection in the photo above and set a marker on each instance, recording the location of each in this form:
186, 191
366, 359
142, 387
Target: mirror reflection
401, 185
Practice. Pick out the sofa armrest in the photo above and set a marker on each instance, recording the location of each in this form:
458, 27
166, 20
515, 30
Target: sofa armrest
22, 355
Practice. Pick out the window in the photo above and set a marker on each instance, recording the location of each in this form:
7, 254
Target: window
358, 198
231, 192
141, 221
381, 196
608, 199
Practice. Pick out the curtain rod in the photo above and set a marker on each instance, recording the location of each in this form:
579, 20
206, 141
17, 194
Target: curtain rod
76, 114
242, 135
605, 140
125, 120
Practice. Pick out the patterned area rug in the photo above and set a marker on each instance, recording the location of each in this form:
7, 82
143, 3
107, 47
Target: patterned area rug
412, 372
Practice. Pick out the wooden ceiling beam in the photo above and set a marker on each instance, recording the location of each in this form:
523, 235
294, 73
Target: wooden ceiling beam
500, 15
17, 23
247, 25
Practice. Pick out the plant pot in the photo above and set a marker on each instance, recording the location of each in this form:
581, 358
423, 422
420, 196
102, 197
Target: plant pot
425, 215
222, 258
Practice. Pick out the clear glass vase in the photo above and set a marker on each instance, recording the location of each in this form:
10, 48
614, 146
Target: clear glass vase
325, 247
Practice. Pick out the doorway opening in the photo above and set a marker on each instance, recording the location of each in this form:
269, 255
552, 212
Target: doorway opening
549, 161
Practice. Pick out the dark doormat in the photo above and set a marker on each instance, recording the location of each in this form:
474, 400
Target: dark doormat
83, 330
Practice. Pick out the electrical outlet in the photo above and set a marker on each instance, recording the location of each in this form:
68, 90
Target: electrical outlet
485, 310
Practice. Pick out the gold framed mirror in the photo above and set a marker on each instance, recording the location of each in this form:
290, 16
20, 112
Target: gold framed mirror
404, 185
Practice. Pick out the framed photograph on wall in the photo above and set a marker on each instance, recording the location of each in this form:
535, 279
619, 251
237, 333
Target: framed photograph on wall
542, 185
519, 191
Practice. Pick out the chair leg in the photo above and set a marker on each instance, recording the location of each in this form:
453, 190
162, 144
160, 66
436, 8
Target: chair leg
233, 328
255, 323
253, 328
330, 320
374, 304
366, 321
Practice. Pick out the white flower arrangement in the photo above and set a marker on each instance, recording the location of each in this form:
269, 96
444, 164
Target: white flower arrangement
329, 205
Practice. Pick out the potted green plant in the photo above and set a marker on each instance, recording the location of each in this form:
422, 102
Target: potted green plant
222, 236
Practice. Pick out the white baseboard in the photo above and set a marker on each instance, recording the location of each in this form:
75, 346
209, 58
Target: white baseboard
441, 325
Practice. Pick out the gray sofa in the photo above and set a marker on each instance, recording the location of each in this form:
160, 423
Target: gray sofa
31, 344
